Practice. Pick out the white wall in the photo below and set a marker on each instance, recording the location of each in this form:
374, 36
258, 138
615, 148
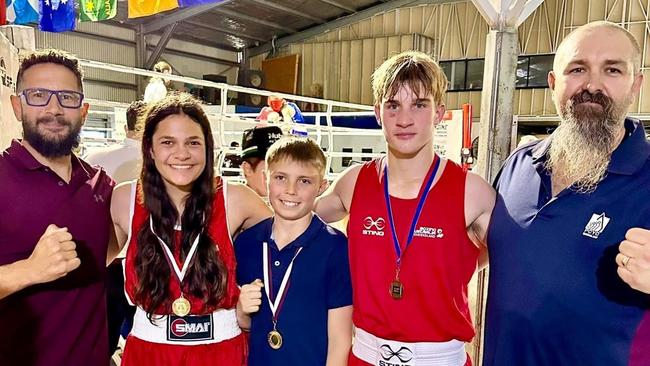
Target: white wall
10, 128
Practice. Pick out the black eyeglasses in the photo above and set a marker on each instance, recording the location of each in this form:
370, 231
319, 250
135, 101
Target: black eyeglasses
39, 97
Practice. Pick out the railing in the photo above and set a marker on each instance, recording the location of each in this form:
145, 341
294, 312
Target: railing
322, 129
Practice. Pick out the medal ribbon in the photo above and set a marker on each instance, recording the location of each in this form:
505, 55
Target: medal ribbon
180, 273
282, 292
424, 192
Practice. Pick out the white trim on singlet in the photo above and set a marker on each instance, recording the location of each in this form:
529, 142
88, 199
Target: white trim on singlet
224, 191
132, 198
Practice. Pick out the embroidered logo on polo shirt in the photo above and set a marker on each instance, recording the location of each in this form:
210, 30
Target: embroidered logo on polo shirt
596, 225
373, 227
429, 232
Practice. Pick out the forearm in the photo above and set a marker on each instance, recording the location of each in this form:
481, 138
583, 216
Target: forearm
116, 241
339, 335
14, 277
243, 319
338, 351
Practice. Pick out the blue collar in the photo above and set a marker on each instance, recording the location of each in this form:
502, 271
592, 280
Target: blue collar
304, 240
628, 158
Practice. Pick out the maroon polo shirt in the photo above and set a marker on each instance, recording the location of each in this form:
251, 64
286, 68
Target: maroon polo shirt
61, 322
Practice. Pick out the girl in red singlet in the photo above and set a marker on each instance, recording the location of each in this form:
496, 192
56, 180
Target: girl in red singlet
179, 267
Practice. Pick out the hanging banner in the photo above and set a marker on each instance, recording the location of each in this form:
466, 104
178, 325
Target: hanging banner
448, 136
141, 8
3, 12
96, 10
22, 11
186, 3
57, 16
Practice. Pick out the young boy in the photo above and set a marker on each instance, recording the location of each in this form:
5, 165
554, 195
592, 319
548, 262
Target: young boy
417, 227
300, 313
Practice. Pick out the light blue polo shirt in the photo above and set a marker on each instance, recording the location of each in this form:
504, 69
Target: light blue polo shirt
319, 281
554, 295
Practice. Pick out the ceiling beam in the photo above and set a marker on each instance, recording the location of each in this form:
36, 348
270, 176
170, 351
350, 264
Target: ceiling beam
488, 11
284, 9
529, 8
339, 5
251, 19
226, 31
340, 22
160, 46
180, 15
217, 45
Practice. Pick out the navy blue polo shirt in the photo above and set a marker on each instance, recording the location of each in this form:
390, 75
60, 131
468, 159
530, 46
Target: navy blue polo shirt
554, 295
320, 281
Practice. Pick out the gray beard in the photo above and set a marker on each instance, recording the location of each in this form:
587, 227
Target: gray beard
582, 145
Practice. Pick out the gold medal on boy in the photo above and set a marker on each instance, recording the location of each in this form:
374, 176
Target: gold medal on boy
275, 339
181, 306
396, 290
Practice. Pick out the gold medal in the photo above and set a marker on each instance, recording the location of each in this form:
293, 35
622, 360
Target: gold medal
396, 289
275, 339
181, 306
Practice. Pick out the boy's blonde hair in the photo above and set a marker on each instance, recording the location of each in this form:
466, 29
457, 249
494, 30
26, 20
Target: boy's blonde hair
416, 69
299, 149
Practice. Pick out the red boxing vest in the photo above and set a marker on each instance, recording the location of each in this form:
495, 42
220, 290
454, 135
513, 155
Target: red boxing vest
435, 269
220, 235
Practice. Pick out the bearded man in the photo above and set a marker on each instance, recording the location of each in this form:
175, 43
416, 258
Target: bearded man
560, 293
55, 224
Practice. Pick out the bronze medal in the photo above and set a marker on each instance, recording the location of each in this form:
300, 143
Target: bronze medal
396, 289
275, 339
181, 306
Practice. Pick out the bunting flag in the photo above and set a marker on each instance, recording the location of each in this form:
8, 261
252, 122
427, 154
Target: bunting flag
141, 8
22, 11
57, 16
186, 3
95, 10
3, 12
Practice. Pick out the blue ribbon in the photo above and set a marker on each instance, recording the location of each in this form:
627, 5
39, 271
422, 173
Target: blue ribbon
424, 192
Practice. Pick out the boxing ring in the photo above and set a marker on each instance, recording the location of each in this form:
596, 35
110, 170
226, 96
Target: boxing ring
342, 145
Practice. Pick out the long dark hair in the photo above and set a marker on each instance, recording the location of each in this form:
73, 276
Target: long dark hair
207, 274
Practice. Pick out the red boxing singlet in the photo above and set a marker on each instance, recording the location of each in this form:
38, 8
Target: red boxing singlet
220, 235
435, 270
228, 352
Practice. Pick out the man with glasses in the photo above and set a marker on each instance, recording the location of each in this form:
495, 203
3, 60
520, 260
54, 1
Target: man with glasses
55, 226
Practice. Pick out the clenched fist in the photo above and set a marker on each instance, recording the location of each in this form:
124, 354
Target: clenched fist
250, 297
633, 259
54, 255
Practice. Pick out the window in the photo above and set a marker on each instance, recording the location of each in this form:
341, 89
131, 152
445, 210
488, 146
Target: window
538, 69
455, 72
475, 74
97, 126
463, 75
522, 72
